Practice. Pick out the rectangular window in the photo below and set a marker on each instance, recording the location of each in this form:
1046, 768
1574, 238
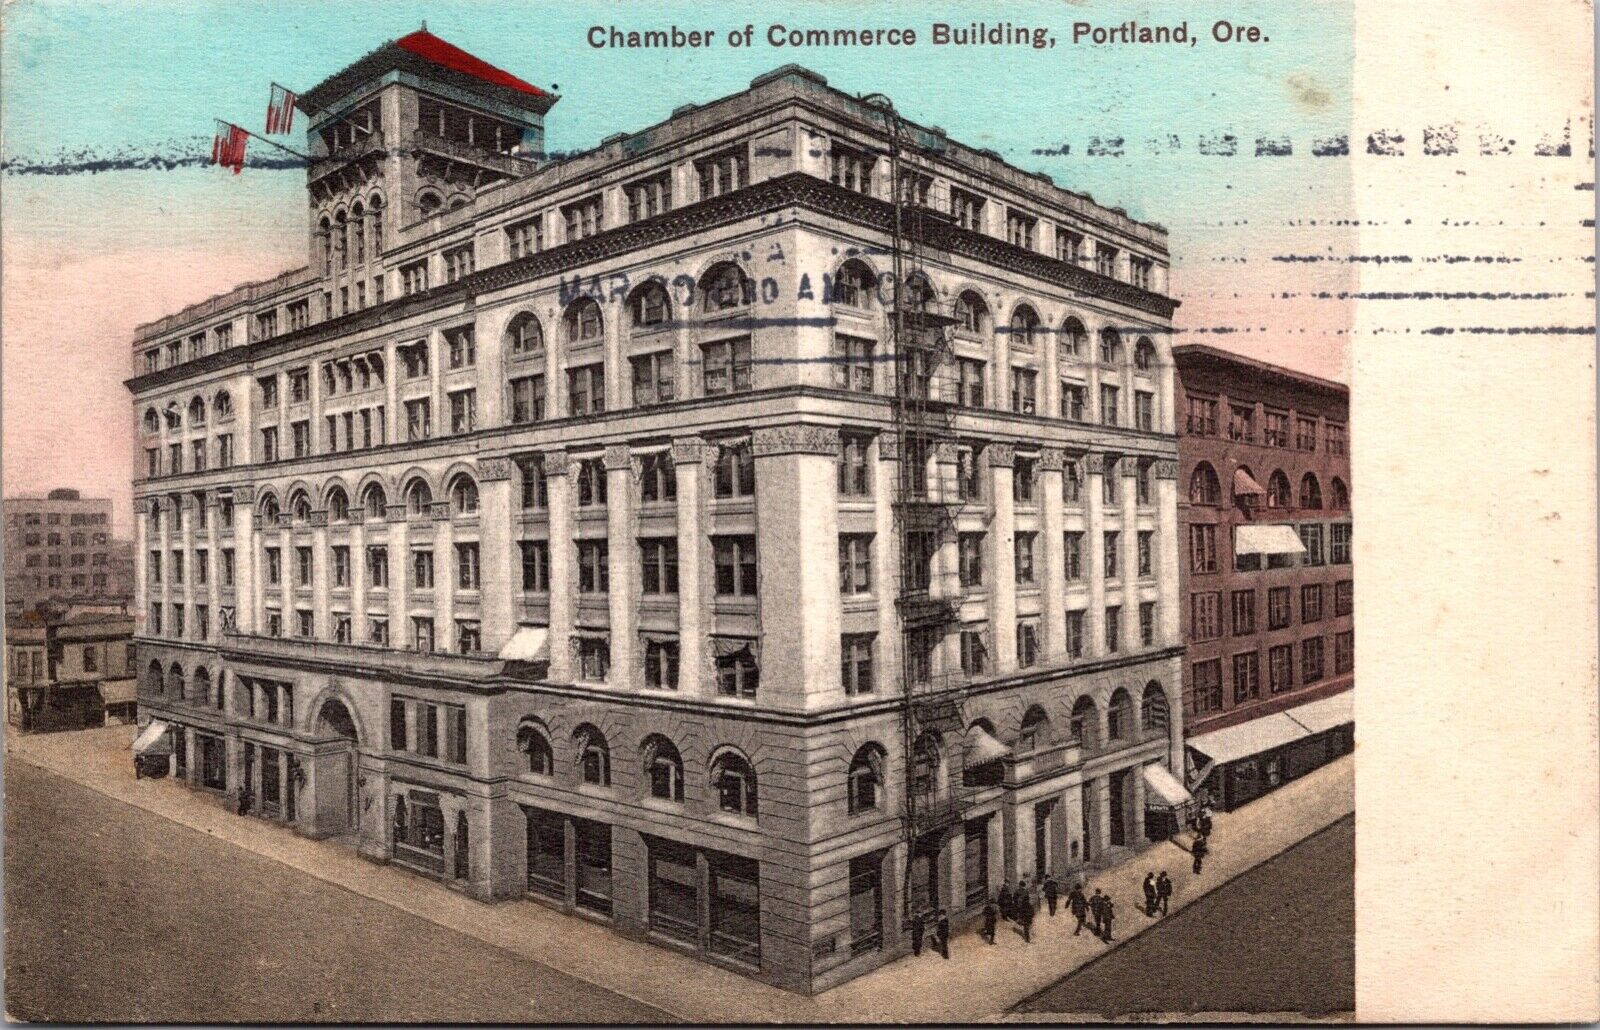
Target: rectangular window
1113, 629
1344, 652
1073, 398
854, 480
463, 411
1025, 391
305, 624
1144, 410
653, 378
303, 566
1022, 480
855, 563
1108, 405
469, 636
658, 478
1112, 542
737, 672
592, 483
974, 652
525, 239
1072, 482
1022, 549
1311, 602
1244, 612
723, 173
661, 664
969, 382
1280, 667
726, 367
535, 486
1147, 623
1021, 229
467, 574
414, 359
1339, 543
1205, 615
967, 209
414, 277
851, 168
659, 558
586, 390
462, 346
649, 197
1074, 638
377, 631
535, 565
1202, 549
458, 263
1246, 676
1242, 423
301, 432
1069, 245
421, 569
1343, 597
225, 450
1276, 431
225, 572
855, 666
735, 560
969, 475
421, 634
1027, 644
274, 566
594, 566
1202, 417
527, 399
1072, 555
1305, 433
1278, 614
1139, 271
1146, 543
1333, 433
852, 363
1105, 260
970, 547
1311, 660
378, 567
735, 472
582, 218
419, 419
1208, 686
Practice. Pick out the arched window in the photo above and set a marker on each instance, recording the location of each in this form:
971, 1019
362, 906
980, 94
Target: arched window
582, 321
464, 495
373, 501
341, 241
152, 421
1086, 723
1144, 355
525, 337
1024, 327
725, 286
663, 768
1153, 713
154, 678
300, 507
534, 744
1035, 731
173, 416
972, 314
222, 405
1074, 340
1119, 715
428, 203
175, 682
919, 293
927, 767
338, 504
325, 231
1204, 487
1278, 495
200, 686
458, 202
375, 207
358, 221
866, 778
1310, 492
649, 305
853, 285
418, 497
594, 757
735, 783
1110, 347
269, 508
197, 413
1341, 495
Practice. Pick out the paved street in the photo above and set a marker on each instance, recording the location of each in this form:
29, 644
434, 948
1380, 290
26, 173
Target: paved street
1280, 937
223, 935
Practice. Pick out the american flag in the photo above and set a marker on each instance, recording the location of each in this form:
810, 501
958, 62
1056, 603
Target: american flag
280, 110
227, 146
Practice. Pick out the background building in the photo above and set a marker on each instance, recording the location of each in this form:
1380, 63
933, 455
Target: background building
500, 540
69, 672
59, 550
1264, 456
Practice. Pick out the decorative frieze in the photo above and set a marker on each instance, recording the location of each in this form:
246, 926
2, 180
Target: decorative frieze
888, 447
795, 439
319, 519
618, 458
945, 452
245, 495
1052, 459
495, 470
688, 450
1164, 469
556, 463
1000, 455
1094, 463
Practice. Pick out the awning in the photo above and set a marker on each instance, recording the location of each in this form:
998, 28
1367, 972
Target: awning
153, 739
1324, 715
1245, 485
982, 747
116, 692
1253, 737
1166, 791
527, 644
1267, 540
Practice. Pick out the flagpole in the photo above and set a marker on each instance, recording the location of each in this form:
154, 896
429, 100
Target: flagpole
270, 142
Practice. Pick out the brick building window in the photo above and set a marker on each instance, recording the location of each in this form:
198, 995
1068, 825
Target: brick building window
1244, 612
1207, 696
1246, 676
1278, 613
1205, 615
1311, 602
1202, 549
1280, 667
1311, 660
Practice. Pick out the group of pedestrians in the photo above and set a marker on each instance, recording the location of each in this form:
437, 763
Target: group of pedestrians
940, 941
1157, 893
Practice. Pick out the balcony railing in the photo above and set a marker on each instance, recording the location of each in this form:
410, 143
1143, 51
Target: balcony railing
369, 144
1024, 768
502, 163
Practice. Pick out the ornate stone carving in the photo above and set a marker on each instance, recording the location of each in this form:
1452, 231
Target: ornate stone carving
1052, 459
556, 463
439, 510
1164, 469
258, 521
618, 458
945, 452
319, 519
394, 513
688, 450
1000, 455
795, 439
888, 447
244, 495
495, 470
1094, 463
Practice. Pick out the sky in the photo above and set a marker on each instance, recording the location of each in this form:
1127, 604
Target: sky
88, 255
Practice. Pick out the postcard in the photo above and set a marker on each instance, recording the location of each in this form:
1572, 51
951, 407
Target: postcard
799, 512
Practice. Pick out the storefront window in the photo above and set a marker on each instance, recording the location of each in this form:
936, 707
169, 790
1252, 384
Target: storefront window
736, 909
674, 892
594, 866
547, 854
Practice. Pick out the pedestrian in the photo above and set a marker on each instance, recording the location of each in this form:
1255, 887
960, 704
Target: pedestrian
991, 917
1025, 916
1052, 890
917, 930
1199, 849
244, 801
1024, 893
1097, 908
1205, 820
941, 935
1007, 909
1079, 906
1163, 890
1149, 894
1110, 915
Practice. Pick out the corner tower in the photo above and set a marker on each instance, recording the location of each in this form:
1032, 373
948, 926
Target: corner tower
416, 127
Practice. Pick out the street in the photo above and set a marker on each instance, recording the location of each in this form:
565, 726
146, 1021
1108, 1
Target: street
1280, 937
219, 934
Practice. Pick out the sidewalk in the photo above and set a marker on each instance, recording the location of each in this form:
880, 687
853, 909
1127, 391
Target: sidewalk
979, 983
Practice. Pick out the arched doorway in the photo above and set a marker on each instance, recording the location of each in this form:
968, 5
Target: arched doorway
334, 770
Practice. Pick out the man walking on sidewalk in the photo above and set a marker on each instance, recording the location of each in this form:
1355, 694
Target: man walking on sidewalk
1079, 905
991, 916
1199, 849
1163, 890
1024, 905
1007, 902
1052, 890
917, 930
1149, 894
1110, 913
941, 935
1097, 907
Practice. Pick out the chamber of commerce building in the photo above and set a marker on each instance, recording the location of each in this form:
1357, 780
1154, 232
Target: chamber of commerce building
751, 533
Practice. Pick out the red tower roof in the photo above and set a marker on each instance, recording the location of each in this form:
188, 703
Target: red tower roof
426, 45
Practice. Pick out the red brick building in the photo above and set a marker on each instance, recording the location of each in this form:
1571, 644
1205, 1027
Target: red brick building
1264, 514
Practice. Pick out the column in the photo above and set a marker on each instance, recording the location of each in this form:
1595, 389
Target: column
559, 484
1052, 613
797, 518
141, 562
617, 378
885, 464
246, 575
163, 545
436, 359
1094, 469
214, 569
500, 586
399, 574
321, 562
1169, 605
391, 394
1001, 458
358, 575
186, 541
1128, 560
1166, 397
688, 459
444, 578
1135, 819
287, 571
622, 549
314, 371
947, 560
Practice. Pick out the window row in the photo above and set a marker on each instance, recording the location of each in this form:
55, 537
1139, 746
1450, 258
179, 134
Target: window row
1202, 420
1285, 669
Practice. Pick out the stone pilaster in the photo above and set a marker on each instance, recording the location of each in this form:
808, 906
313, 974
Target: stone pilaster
1094, 468
500, 588
622, 548
1001, 459
557, 467
1052, 612
1168, 607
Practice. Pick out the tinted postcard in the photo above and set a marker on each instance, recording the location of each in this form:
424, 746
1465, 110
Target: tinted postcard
799, 512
